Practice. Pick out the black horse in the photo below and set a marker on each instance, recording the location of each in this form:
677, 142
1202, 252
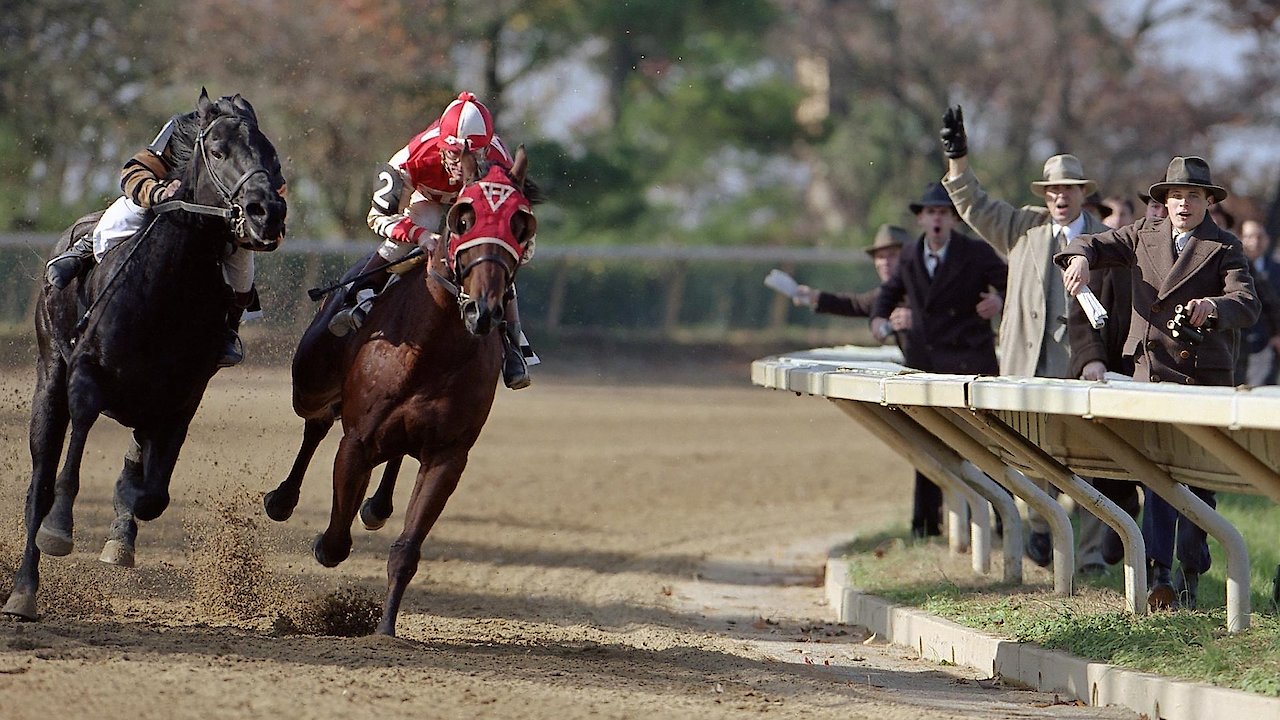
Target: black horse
140, 337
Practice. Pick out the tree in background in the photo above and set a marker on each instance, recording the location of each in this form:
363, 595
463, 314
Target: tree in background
69, 81
1036, 77
720, 121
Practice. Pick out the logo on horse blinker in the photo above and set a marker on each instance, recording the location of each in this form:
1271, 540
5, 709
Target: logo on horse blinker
496, 193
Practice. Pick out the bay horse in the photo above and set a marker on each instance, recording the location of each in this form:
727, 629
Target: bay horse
418, 379
139, 338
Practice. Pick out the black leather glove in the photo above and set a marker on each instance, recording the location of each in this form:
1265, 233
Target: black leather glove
954, 142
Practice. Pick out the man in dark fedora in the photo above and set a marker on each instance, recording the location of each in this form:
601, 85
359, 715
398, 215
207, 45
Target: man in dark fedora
1154, 209
1183, 260
952, 284
1033, 332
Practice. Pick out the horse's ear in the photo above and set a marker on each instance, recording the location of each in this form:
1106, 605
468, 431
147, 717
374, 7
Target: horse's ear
203, 104
244, 107
520, 166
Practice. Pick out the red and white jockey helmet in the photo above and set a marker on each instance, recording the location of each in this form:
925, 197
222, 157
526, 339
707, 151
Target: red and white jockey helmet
466, 125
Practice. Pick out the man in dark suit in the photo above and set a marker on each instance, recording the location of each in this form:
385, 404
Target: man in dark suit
1256, 364
954, 286
1183, 260
1094, 353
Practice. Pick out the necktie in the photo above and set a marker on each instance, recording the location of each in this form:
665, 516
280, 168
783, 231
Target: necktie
1180, 242
931, 261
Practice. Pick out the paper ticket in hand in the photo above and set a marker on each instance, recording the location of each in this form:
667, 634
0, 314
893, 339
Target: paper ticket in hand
1092, 308
781, 282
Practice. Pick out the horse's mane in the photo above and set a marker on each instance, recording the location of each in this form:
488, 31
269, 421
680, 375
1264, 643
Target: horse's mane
532, 191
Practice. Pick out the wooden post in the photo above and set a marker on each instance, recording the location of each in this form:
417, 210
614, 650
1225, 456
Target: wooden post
674, 297
555, 299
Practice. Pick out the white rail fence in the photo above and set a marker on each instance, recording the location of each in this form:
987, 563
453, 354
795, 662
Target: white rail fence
962, 431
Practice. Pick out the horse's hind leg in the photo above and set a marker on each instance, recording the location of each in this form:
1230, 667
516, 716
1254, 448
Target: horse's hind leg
280, 502
436, 482
377, 508
49, 419
123, 535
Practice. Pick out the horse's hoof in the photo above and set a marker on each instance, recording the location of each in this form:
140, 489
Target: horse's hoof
21, 605
279, 506
151, 506
53, 542
317, 549
117, 553
372, 521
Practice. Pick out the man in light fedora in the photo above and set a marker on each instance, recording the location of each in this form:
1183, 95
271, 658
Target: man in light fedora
952, 284
884, 252
1033, 333
1184, 260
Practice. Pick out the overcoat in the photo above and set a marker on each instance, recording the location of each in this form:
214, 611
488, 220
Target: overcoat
1212, 265
856, 305
1025, 237
947, 334
1114, 289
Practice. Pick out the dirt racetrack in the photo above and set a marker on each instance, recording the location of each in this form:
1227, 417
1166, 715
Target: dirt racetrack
623, 544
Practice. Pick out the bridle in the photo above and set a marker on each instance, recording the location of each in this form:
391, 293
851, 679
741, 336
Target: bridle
453, 283
233, 211
493, 232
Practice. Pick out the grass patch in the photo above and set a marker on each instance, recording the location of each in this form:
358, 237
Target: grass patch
1092, 624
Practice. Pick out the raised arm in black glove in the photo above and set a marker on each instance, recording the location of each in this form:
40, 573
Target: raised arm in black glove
954, 142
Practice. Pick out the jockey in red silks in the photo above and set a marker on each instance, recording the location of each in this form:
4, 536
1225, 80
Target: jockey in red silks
414, 191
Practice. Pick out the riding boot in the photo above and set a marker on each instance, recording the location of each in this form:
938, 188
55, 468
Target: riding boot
233, 350
515, 349
360, 297
72, 263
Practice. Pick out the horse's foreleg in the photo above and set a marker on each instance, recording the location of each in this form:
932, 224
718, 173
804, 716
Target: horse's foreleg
123, 535
49, 419
436, 482
351, 470
54, 535
280, 502
377, 508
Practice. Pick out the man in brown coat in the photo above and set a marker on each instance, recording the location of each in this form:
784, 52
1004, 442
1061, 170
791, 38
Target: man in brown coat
1181, 261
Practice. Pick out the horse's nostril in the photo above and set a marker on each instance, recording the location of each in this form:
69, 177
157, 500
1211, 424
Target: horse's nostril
255, 209
497, 314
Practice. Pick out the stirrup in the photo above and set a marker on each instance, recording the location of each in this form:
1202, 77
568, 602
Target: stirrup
515, 371
350, 319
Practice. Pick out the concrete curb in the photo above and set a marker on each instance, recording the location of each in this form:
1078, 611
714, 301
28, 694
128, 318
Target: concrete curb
1097, 684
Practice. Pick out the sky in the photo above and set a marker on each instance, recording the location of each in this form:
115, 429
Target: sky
1194, 38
